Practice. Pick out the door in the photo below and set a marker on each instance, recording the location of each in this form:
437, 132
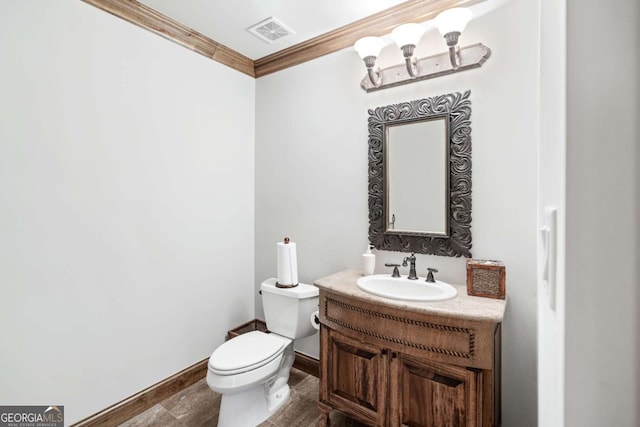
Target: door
355, 375
429, 394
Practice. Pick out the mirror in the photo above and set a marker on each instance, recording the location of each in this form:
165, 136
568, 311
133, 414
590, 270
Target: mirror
420, 176
417, 166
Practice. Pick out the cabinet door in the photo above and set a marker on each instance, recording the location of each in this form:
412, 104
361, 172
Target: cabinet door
355, 375
425, 393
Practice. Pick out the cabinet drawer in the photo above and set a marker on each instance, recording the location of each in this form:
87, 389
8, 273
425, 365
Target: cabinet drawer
466, 343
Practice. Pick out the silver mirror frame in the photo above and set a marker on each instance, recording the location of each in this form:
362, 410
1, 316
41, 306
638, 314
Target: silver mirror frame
458, 107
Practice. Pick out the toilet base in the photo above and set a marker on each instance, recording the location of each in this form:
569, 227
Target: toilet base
254, 405
250, 407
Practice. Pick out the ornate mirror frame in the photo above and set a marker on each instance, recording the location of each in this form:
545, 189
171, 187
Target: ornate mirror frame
458, 242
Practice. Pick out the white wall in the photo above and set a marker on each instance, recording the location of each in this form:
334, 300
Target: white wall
603, 207
551, 193
127, 182
126, 206
311, 173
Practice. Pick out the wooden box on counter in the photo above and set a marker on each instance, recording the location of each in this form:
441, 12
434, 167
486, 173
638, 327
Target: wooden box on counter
486, 278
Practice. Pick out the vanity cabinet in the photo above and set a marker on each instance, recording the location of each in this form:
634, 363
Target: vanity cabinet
356, 376
402, 365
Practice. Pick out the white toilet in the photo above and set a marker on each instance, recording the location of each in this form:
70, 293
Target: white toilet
251, 371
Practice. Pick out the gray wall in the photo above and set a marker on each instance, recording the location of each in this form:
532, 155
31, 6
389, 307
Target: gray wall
603, 198
311, 173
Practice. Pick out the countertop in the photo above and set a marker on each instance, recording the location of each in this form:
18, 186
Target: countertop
462, 306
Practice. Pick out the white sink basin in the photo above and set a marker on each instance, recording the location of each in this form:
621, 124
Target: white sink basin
401, 288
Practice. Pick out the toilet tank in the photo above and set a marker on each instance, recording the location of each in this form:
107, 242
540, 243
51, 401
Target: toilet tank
288, 311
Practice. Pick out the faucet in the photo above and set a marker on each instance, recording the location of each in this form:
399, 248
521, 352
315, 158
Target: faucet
412, 269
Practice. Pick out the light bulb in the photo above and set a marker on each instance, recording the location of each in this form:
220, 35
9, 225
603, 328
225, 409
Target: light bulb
368, 46
453, 20
407, 34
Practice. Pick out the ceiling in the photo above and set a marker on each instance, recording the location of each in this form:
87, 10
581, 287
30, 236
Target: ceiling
219, 31
227, 22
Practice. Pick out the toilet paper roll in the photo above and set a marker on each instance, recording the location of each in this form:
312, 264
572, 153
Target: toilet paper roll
287, 264
315, 320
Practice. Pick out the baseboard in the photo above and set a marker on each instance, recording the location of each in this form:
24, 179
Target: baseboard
130, 407
307, 364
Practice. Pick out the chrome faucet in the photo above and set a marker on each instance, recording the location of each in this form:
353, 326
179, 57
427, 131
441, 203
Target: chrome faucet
412, 269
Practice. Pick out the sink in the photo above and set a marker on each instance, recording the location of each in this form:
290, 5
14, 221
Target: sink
401, 288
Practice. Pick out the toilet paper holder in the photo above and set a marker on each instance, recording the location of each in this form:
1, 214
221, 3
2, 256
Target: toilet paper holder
287, 264
315, 320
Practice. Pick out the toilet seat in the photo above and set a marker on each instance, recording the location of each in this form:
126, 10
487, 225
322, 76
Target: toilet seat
246, 352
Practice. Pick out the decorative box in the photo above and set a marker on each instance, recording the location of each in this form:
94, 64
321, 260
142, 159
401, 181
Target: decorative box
486, 278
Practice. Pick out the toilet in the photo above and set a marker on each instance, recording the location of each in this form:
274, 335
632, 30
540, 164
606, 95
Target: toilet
251, 371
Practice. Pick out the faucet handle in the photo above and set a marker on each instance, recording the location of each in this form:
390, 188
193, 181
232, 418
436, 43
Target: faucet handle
395, 273
430, 278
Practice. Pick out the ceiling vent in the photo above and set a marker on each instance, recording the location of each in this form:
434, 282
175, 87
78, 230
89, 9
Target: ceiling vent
270, 30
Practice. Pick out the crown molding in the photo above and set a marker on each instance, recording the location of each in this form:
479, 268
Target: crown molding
145, 17
378, 24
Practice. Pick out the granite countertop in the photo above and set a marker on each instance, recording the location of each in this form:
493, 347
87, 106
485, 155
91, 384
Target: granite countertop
462, 306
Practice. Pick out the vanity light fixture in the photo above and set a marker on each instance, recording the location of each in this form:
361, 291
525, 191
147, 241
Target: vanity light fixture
369, 48
407, 37
451, 23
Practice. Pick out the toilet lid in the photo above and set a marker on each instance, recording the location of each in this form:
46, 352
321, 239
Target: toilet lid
246, 350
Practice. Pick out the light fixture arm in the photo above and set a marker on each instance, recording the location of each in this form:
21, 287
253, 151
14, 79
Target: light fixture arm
452, 42
374, 74
410, 60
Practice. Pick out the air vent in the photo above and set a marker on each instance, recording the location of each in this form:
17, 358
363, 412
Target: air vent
270, 30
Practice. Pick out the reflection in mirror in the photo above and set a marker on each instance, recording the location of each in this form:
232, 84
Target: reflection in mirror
417, 172
420, 176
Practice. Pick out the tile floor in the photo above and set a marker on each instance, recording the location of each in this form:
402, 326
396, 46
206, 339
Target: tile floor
198, 405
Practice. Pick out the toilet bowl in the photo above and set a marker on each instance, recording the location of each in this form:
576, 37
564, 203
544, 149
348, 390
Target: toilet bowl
251, 358
251, 371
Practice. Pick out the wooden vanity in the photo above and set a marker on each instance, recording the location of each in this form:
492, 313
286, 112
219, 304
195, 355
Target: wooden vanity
385, 362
